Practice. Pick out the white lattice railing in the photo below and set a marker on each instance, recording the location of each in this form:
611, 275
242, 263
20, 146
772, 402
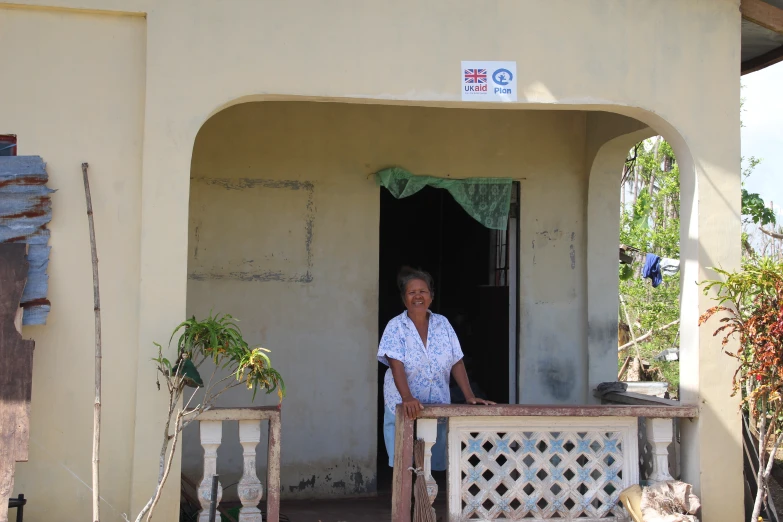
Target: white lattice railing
250, 489
540, 468
537, 463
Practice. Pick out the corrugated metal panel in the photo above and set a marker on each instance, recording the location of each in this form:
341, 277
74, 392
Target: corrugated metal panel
25, 210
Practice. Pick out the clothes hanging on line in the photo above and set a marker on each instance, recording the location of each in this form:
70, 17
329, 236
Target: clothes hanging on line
669, 267
652, 269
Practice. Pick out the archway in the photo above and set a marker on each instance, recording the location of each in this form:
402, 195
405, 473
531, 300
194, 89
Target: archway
284, 235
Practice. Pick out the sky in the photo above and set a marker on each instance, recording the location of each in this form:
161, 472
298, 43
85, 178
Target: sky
762, 134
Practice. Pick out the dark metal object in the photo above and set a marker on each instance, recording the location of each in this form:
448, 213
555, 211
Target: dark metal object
213, 499
19, 504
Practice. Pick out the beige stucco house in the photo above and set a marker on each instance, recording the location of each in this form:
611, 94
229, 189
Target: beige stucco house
231, 146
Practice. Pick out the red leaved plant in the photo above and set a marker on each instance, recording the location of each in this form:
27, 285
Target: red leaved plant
750, 307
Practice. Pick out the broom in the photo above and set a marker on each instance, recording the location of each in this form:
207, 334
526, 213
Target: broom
422, 507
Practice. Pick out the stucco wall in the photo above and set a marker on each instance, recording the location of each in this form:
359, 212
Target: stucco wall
377, 53
265, 172
73, 91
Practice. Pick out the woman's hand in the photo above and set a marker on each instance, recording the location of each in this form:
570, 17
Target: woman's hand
412, 406
476, 400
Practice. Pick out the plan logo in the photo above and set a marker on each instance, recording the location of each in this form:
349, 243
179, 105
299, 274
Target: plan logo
502, 77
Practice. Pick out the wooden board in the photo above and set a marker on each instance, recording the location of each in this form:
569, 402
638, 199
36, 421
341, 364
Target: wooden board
657, 410
761, 13
16, 370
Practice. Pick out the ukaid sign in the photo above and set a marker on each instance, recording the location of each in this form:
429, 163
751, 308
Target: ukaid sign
489, 81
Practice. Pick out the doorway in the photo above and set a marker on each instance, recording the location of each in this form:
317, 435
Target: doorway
476, 273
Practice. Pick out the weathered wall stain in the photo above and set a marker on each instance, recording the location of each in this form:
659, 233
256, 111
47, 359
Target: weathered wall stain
247, 183
604, 334
350, 479
557, 377
552, 237
572, 251
358, 479
303, 485
263, 275
195, 242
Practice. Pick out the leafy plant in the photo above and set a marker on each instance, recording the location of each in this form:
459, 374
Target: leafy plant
754, 209
219, 340
751, 306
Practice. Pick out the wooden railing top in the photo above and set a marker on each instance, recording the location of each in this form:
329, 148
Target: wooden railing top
251, 413
523, 410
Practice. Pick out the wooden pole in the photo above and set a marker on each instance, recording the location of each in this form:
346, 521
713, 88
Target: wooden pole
96, 420
647, 335
633, 335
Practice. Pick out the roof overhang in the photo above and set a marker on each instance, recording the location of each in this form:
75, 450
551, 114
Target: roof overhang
762, 34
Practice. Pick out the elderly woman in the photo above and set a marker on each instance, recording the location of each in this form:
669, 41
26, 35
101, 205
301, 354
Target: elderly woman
421, 350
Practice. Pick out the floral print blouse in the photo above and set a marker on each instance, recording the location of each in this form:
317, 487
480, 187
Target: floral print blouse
427, 368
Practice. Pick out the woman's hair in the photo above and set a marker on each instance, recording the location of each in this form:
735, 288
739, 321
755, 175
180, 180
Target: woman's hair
408, 274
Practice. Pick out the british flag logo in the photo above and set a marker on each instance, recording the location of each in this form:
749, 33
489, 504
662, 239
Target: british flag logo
475, 76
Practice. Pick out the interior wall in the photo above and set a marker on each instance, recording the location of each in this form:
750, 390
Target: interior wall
73, 91
284, 235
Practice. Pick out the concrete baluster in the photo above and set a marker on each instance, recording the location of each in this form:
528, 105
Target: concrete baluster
427, 430
660, 433
211, 436
250, 488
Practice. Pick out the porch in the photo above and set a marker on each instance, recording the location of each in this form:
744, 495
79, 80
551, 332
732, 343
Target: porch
506, 462
289, 233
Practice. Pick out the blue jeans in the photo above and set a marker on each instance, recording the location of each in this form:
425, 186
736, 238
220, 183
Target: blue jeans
438, 449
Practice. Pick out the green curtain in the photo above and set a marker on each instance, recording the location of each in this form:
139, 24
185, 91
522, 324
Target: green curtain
487, 200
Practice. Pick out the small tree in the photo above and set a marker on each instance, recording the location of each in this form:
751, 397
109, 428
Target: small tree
217, 339
751, 302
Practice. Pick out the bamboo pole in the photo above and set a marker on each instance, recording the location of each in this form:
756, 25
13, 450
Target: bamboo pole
96, 420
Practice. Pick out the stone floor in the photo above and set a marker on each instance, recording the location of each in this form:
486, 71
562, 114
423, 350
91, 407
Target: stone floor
351, 510
368, 509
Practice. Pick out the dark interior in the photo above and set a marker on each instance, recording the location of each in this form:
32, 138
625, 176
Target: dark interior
431, 231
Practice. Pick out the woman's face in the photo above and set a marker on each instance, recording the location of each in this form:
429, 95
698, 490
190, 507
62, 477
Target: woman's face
417, 295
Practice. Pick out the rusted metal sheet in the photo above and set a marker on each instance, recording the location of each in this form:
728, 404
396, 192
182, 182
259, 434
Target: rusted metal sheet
16, 371
520, 410
25, 210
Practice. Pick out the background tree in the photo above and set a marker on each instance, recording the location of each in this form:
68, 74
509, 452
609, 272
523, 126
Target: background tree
650, 222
